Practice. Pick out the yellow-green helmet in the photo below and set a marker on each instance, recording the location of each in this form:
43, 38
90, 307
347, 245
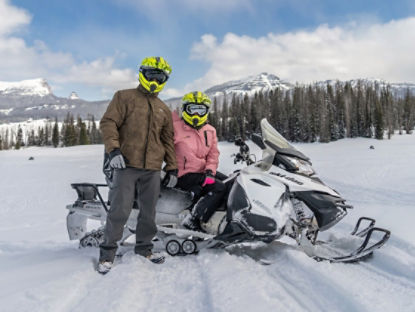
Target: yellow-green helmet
195, 108
153, 74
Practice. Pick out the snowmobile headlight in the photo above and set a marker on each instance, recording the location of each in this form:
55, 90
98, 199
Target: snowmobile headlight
302, 166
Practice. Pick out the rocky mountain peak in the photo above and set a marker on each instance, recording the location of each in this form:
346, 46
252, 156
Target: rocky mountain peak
73, 96
32, 87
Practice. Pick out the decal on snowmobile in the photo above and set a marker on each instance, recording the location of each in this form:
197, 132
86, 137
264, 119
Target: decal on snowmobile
260, 204
287, 177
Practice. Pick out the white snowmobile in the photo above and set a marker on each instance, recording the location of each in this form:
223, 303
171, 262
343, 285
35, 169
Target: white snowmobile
271, 198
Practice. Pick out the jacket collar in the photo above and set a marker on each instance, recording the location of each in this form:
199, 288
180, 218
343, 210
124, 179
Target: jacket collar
144, 91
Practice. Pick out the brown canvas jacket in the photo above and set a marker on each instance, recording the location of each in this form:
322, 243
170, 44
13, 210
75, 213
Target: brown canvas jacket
141, 126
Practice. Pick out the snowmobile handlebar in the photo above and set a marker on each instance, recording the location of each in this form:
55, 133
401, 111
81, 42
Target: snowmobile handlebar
243, 155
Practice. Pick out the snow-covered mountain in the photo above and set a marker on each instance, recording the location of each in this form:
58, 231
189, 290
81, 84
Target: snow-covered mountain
34, 99
33, 87
265, 82
262, 82
249, 85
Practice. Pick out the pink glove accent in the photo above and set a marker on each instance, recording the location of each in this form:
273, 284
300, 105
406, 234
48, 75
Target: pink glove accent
208, 180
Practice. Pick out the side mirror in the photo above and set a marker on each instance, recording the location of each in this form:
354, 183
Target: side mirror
257, 139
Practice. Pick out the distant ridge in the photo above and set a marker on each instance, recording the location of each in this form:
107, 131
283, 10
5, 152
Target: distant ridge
34, 99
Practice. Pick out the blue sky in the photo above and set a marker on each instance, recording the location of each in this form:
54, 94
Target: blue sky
94, 47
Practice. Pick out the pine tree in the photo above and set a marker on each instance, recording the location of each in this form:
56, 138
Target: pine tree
83, 134
47, 132
408, 122
378, 120
324, 127
224, 124
213, 114
340, 104
218, 119
332, 114
55, 133
235, 119
40, 136
70, 132
348, 98
6, 140
253, 114
31, 138
19, 138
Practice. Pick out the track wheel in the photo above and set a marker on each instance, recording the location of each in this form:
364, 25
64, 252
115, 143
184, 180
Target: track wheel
189, 246
173, 247
89, 241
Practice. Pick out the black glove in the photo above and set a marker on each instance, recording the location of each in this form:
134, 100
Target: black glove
170, 179
116, 159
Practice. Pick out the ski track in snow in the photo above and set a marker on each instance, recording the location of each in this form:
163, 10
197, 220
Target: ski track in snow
41, 270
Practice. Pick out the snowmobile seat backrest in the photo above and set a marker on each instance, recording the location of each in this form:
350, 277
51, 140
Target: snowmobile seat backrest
85, 191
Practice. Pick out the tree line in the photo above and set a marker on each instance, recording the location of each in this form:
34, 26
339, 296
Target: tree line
305, 113
70, 132
318, 113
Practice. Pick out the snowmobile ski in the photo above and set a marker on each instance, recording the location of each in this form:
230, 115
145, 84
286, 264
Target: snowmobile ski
363, 251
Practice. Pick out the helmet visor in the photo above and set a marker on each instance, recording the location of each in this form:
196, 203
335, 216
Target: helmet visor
152, 74
198, 109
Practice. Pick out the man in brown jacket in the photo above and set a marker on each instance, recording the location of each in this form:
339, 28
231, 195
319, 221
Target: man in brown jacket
138, 133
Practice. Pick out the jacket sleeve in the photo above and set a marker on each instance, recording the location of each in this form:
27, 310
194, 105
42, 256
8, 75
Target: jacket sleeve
212, 158
167, 138
111, 122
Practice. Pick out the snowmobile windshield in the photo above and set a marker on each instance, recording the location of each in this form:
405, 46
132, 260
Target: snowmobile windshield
275, 141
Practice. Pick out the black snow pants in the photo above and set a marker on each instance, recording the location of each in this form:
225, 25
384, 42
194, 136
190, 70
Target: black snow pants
208, 198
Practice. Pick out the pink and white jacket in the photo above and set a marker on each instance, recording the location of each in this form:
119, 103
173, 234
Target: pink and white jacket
196, 150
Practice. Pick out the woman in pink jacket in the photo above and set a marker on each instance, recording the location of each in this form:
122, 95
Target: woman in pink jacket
197, 157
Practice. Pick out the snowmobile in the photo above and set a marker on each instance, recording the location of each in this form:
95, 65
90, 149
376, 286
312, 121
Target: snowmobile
276, 197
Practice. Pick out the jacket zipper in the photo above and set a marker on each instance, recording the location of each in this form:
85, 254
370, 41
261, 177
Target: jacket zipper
148, 131
206, 139
184, 164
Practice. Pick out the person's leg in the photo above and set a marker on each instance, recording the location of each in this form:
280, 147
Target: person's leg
212, 197
148, 187
122, 198
191, 182
220, 176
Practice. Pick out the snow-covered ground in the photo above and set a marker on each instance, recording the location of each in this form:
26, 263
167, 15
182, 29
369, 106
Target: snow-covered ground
41, 270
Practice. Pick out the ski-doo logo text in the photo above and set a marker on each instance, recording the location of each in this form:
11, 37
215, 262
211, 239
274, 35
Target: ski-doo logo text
260, 204
286, 177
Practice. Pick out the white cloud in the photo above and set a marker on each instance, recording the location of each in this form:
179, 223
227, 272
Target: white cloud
19, 61
168, 93
12, 18
352, 51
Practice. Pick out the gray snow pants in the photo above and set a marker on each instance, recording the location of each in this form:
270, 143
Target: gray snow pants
130, 184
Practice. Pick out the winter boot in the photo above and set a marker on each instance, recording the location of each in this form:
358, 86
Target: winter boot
192, 223
156, 258
104, 267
